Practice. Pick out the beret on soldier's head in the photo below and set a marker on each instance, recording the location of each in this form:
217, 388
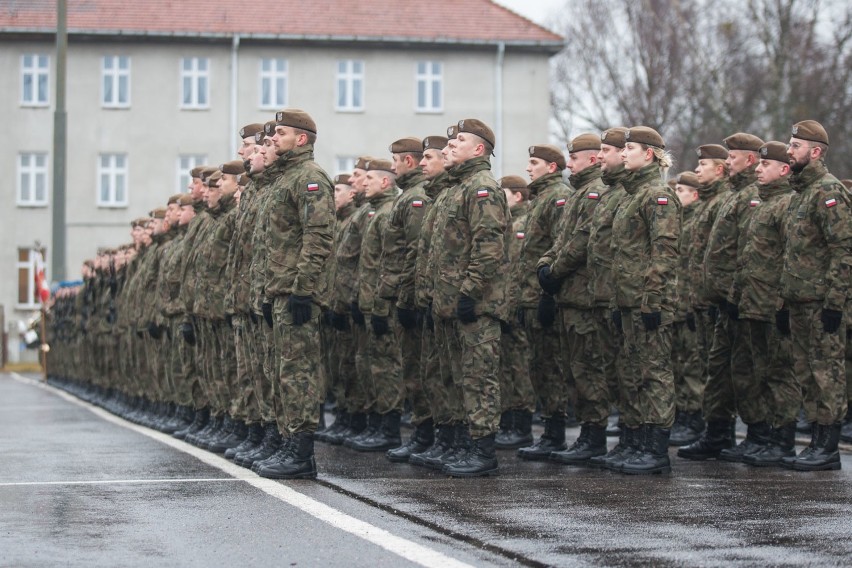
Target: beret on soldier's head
671, 183
614, 136
644, 135
549, 153
186, 199
452, 131
140, 221
234, 167
341, 179
847, 183
434, 143
174, 198
774, 150
296, 118
712, 152
196, 171
587, 141
207, 172
268, 129
513, 182
405, 145
688, 178
362, 161
810, 130
377, 164
243, 179
213, 179
158, 213
249, 130
478, 128
743, 141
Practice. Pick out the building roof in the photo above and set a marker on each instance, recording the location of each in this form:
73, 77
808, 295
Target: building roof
433, 21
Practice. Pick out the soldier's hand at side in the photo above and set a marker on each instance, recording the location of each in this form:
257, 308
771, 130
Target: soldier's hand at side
430, 319
616, 320
690, 321
340, 322
300, 308
831, 320
713, 313
522, 317
380, 325
357, 314
466, 309
229, 320
546, 281
407, 318
546, 312
266, 308
652, 320
154, 330
782, 321
188, 332
733, 311
253, 317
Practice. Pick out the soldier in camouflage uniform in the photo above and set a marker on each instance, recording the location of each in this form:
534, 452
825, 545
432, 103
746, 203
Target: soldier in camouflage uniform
815, 290
645, 235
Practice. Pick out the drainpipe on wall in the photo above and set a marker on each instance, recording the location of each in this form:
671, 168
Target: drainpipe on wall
497, 166
235, 76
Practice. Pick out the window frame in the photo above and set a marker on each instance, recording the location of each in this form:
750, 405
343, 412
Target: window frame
35, 71
115, 74
33, 171
429, 78
195, 74
183, 171
113, 171
272, 76
350, 76
30, 266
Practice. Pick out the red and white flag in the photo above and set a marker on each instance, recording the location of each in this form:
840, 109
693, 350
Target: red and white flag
41, 287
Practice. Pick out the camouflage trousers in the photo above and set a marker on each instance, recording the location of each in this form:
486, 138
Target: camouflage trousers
849, 364
386, 369
190, 392
649, 356
174, 364
516, 390
547, 371
704, 329
431, 376
819, 363
354, 392
260, 341
298, 350
730, 368
360, 338
477, 349
608, 341
687, 368
448, 398
774, 387
327, 356
588, 386
410, 342
156, 353
244, 399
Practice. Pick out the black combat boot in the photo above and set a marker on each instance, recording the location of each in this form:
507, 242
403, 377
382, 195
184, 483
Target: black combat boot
505, 426
212, 430
552, 440
616, 456
614, 425
478, 461
224, 431
421, 439
296, 463
519, 434
654, 456
340, 422
846, 428
803, 425
718, 436
356, 424
270, 444
591, 443
277, 456
442, 444
782, 445
254, 436
687, 428
758, 436
457, 450
202, 416
374, 422
387, 435
822, 454
238, 434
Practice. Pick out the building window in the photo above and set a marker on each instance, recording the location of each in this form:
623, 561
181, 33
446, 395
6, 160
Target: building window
112, 180
350, 85
116, 81
35, 80
32, 180
195, 82
30, 262
273, 83
185, 164
344, 164
430, 86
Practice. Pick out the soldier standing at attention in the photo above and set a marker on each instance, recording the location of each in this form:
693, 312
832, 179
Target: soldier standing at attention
645, 235
815, 289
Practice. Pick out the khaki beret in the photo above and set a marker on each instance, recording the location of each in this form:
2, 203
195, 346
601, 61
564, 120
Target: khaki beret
452, 131
296, 118
140, 221
513, 182
587, 141
174, 198
478, 128
614, 136
743, 141
158, 213
774, 150
434, 143
234, 167
243, 179
250, 130
186, 199
196, 171
268, 130
847, 183
362, 161
213, 178
548, 153
377, 164
712, 152
644, 135
405, 145
810, 130
688, 178
341, 179
207, 171
671, 183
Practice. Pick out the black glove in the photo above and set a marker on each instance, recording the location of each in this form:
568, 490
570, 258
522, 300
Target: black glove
831, 320
380, 325
723, 307
408, 319
522, 317
326, 317
140, 334
548, 283
690, 321
266, 308
111, 317
430, 319
466, 309
300, 308
546, 310
733, 311
782, 321
253, 317
713, 313
188, 333
357, 314
616, 320
340, 322
505, 328
652, 321
229, 320
154, 330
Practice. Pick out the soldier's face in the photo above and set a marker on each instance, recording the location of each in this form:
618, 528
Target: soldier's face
284, 139
256, 161
247, 148
686, 193
268, 152
399, 165
799, 152
228, 184
343, 195
187, 212
580, 161
214, 195
609, 157
512, 198
432, 162
708, 171
375, 183
157, 227
465, 146
536, 168
738, 160
172, 213
635, 157
356, 180
771, 170
196, 188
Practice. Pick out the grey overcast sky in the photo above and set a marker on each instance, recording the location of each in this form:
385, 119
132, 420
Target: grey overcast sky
539, 11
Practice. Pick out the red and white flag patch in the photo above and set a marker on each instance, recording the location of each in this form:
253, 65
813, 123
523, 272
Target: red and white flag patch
830, 202
417, 203
662, 201
370, 214
520, 235
593, 195
482, 193
560, 202
313, 187
754, 203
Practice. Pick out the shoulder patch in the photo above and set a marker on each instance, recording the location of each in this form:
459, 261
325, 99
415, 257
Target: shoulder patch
830, 202
417, 203
754, 203
662, 200
313, 187
593, 195
482, 192
520, 235
560, 202
371, 214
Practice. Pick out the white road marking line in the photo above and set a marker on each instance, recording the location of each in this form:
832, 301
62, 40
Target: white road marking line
405, 548
117, 481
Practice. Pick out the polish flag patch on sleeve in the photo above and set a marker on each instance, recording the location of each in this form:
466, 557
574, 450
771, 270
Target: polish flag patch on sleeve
417, 203
830, 202
560, 202
592, 195
754, 203
520, 235
662, 201
482, 192
371, 214
313, 187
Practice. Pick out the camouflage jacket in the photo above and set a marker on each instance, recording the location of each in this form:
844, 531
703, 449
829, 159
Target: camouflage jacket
520, 215
168, 280
645, 235
470, 244
818, 253
346, 257
325, 289
424, 280
259, 256
146, 278
371, 254
756, 288
686, 243
599, 255
710, 200
238, 274
197, 232
210, 282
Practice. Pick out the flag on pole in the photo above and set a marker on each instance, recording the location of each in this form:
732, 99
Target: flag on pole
41, 287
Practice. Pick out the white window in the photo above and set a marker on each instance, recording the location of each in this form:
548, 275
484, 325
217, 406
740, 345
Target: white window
430, 86
112, 180
30, 261
195, 82
35, 79
32, 180
344, 164
350, 85
273, 83
185, 163
116, 81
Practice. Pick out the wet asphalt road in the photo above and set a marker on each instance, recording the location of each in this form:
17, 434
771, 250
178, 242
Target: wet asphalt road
81, 488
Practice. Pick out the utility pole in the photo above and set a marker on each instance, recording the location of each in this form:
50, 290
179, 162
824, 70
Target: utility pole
60, 122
